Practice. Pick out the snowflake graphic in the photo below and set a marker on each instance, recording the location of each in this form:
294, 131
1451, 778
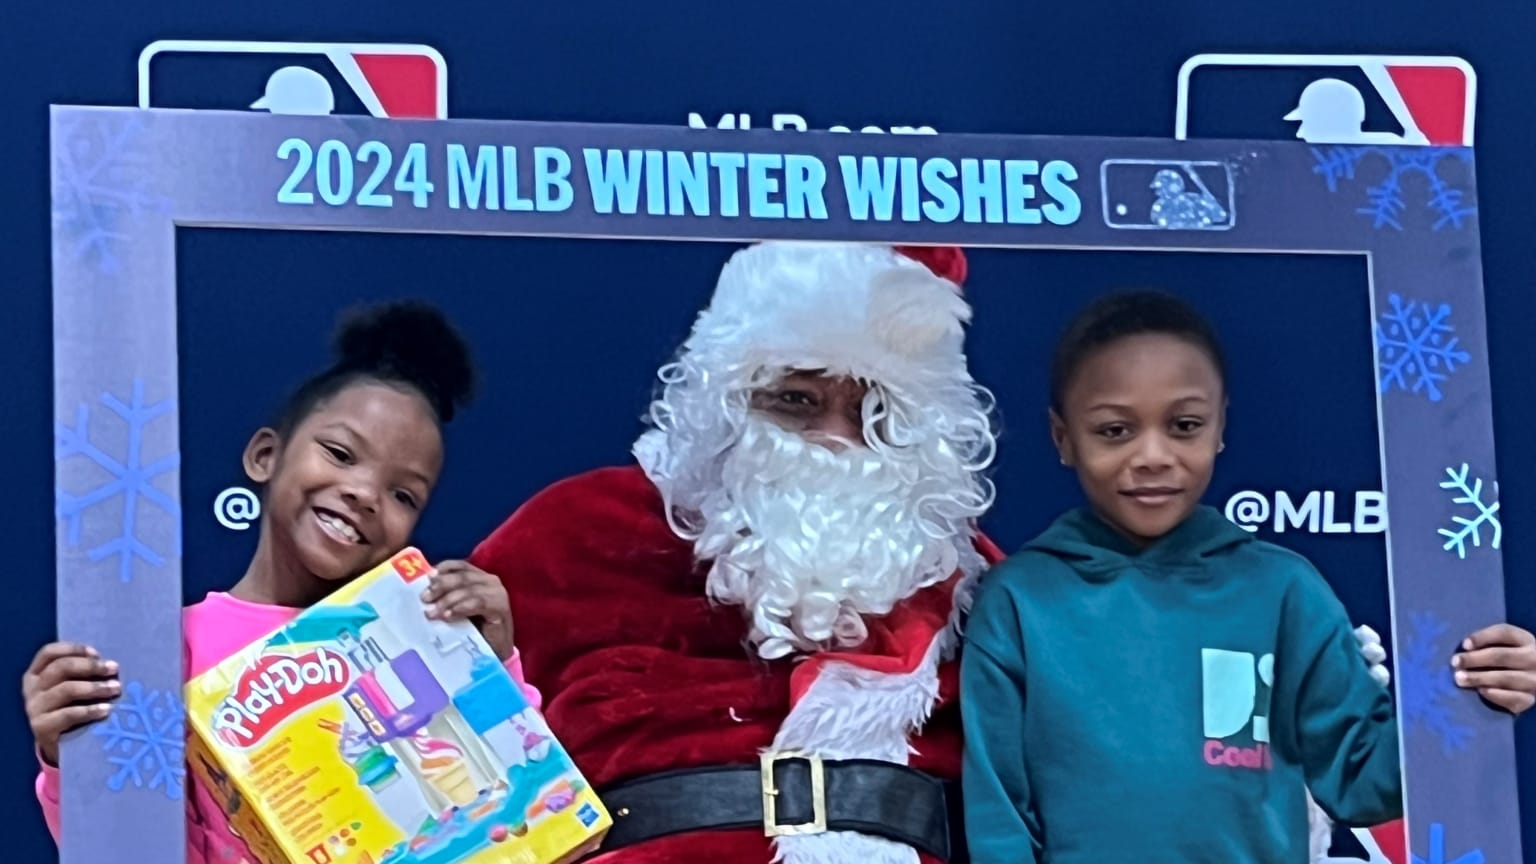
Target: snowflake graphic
1384, 201
102, 184
1486, 513
1437, 850
129, 479
1417, 347
144, 738
1427, 688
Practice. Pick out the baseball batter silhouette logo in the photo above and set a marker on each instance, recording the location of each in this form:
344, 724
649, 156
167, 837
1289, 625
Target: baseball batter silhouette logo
1328, 99
301, 78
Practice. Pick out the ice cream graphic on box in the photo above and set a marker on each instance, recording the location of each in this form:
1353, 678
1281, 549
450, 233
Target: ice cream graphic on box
438, 758
378, 772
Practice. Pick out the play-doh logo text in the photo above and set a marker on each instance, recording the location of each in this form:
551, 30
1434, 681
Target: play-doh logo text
273, 689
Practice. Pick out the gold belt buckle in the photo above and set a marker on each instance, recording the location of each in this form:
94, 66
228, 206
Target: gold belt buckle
818, 823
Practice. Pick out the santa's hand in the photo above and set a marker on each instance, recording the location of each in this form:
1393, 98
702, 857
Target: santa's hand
1374, 653
1499, 662
460, 591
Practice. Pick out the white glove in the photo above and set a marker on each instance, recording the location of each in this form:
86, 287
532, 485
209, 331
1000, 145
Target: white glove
1319, 833
1374, 653
1319, 826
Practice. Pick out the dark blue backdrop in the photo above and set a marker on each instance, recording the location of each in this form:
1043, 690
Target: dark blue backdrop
570, 332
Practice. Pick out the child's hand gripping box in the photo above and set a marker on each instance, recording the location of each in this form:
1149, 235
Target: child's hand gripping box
364, 733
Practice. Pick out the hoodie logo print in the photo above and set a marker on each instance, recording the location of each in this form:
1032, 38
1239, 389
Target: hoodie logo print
1235, 695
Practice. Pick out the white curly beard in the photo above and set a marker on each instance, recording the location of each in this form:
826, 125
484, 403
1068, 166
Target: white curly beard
809, 540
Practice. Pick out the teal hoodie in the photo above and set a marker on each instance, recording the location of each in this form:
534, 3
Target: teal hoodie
1171, 703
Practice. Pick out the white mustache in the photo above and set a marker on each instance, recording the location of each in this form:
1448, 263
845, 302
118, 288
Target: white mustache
810, 540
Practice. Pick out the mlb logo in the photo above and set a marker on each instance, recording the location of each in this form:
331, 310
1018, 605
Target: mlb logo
313, 78
1167, 195
1328, 99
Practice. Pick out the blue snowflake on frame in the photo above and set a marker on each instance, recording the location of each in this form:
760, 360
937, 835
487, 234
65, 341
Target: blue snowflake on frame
129, 480
1429, 693
1437, 850
1416, 346
103, 182
1384, 200
144, 738
1484, 513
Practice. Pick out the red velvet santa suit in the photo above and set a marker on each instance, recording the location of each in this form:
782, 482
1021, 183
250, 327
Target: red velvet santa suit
642, 674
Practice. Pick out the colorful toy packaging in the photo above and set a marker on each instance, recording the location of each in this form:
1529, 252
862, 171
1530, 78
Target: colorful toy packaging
364, 733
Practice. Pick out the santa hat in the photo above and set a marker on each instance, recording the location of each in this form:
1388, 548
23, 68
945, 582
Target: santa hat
893, 315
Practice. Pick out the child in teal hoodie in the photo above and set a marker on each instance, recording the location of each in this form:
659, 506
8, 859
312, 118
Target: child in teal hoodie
1146, 682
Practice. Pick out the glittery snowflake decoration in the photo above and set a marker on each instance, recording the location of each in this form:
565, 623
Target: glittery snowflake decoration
1437, 850
103, 182
1384, 201
1484, 513
144, 739
1428, 691
127, 479
1416, 346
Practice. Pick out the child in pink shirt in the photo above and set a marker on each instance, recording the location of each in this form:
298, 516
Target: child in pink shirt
346, 471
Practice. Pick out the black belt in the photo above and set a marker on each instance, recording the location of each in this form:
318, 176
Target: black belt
790, 794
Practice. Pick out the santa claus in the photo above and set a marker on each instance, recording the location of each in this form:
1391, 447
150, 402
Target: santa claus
747, 640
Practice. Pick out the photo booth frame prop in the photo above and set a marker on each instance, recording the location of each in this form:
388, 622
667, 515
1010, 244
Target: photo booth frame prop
123, 180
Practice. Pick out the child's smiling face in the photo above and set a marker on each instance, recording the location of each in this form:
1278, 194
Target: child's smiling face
1141, 422
345, 490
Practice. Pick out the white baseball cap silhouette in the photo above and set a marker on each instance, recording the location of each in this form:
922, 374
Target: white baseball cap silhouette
1329, 108
297, 90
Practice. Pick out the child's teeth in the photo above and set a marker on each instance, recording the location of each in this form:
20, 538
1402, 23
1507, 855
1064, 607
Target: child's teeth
341, 527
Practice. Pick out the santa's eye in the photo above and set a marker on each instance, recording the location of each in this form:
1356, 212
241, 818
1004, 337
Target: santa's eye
795, 399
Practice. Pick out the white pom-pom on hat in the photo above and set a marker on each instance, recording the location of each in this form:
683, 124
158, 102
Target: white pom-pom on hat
907, 314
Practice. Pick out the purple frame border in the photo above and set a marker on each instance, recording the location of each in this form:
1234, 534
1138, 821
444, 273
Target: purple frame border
124, 179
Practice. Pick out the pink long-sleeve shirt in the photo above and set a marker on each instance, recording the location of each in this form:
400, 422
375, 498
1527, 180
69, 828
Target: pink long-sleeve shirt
212, 631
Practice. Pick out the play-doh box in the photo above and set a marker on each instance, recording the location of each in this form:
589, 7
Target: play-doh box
365, 733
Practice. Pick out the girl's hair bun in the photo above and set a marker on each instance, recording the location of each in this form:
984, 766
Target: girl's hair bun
409, 342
